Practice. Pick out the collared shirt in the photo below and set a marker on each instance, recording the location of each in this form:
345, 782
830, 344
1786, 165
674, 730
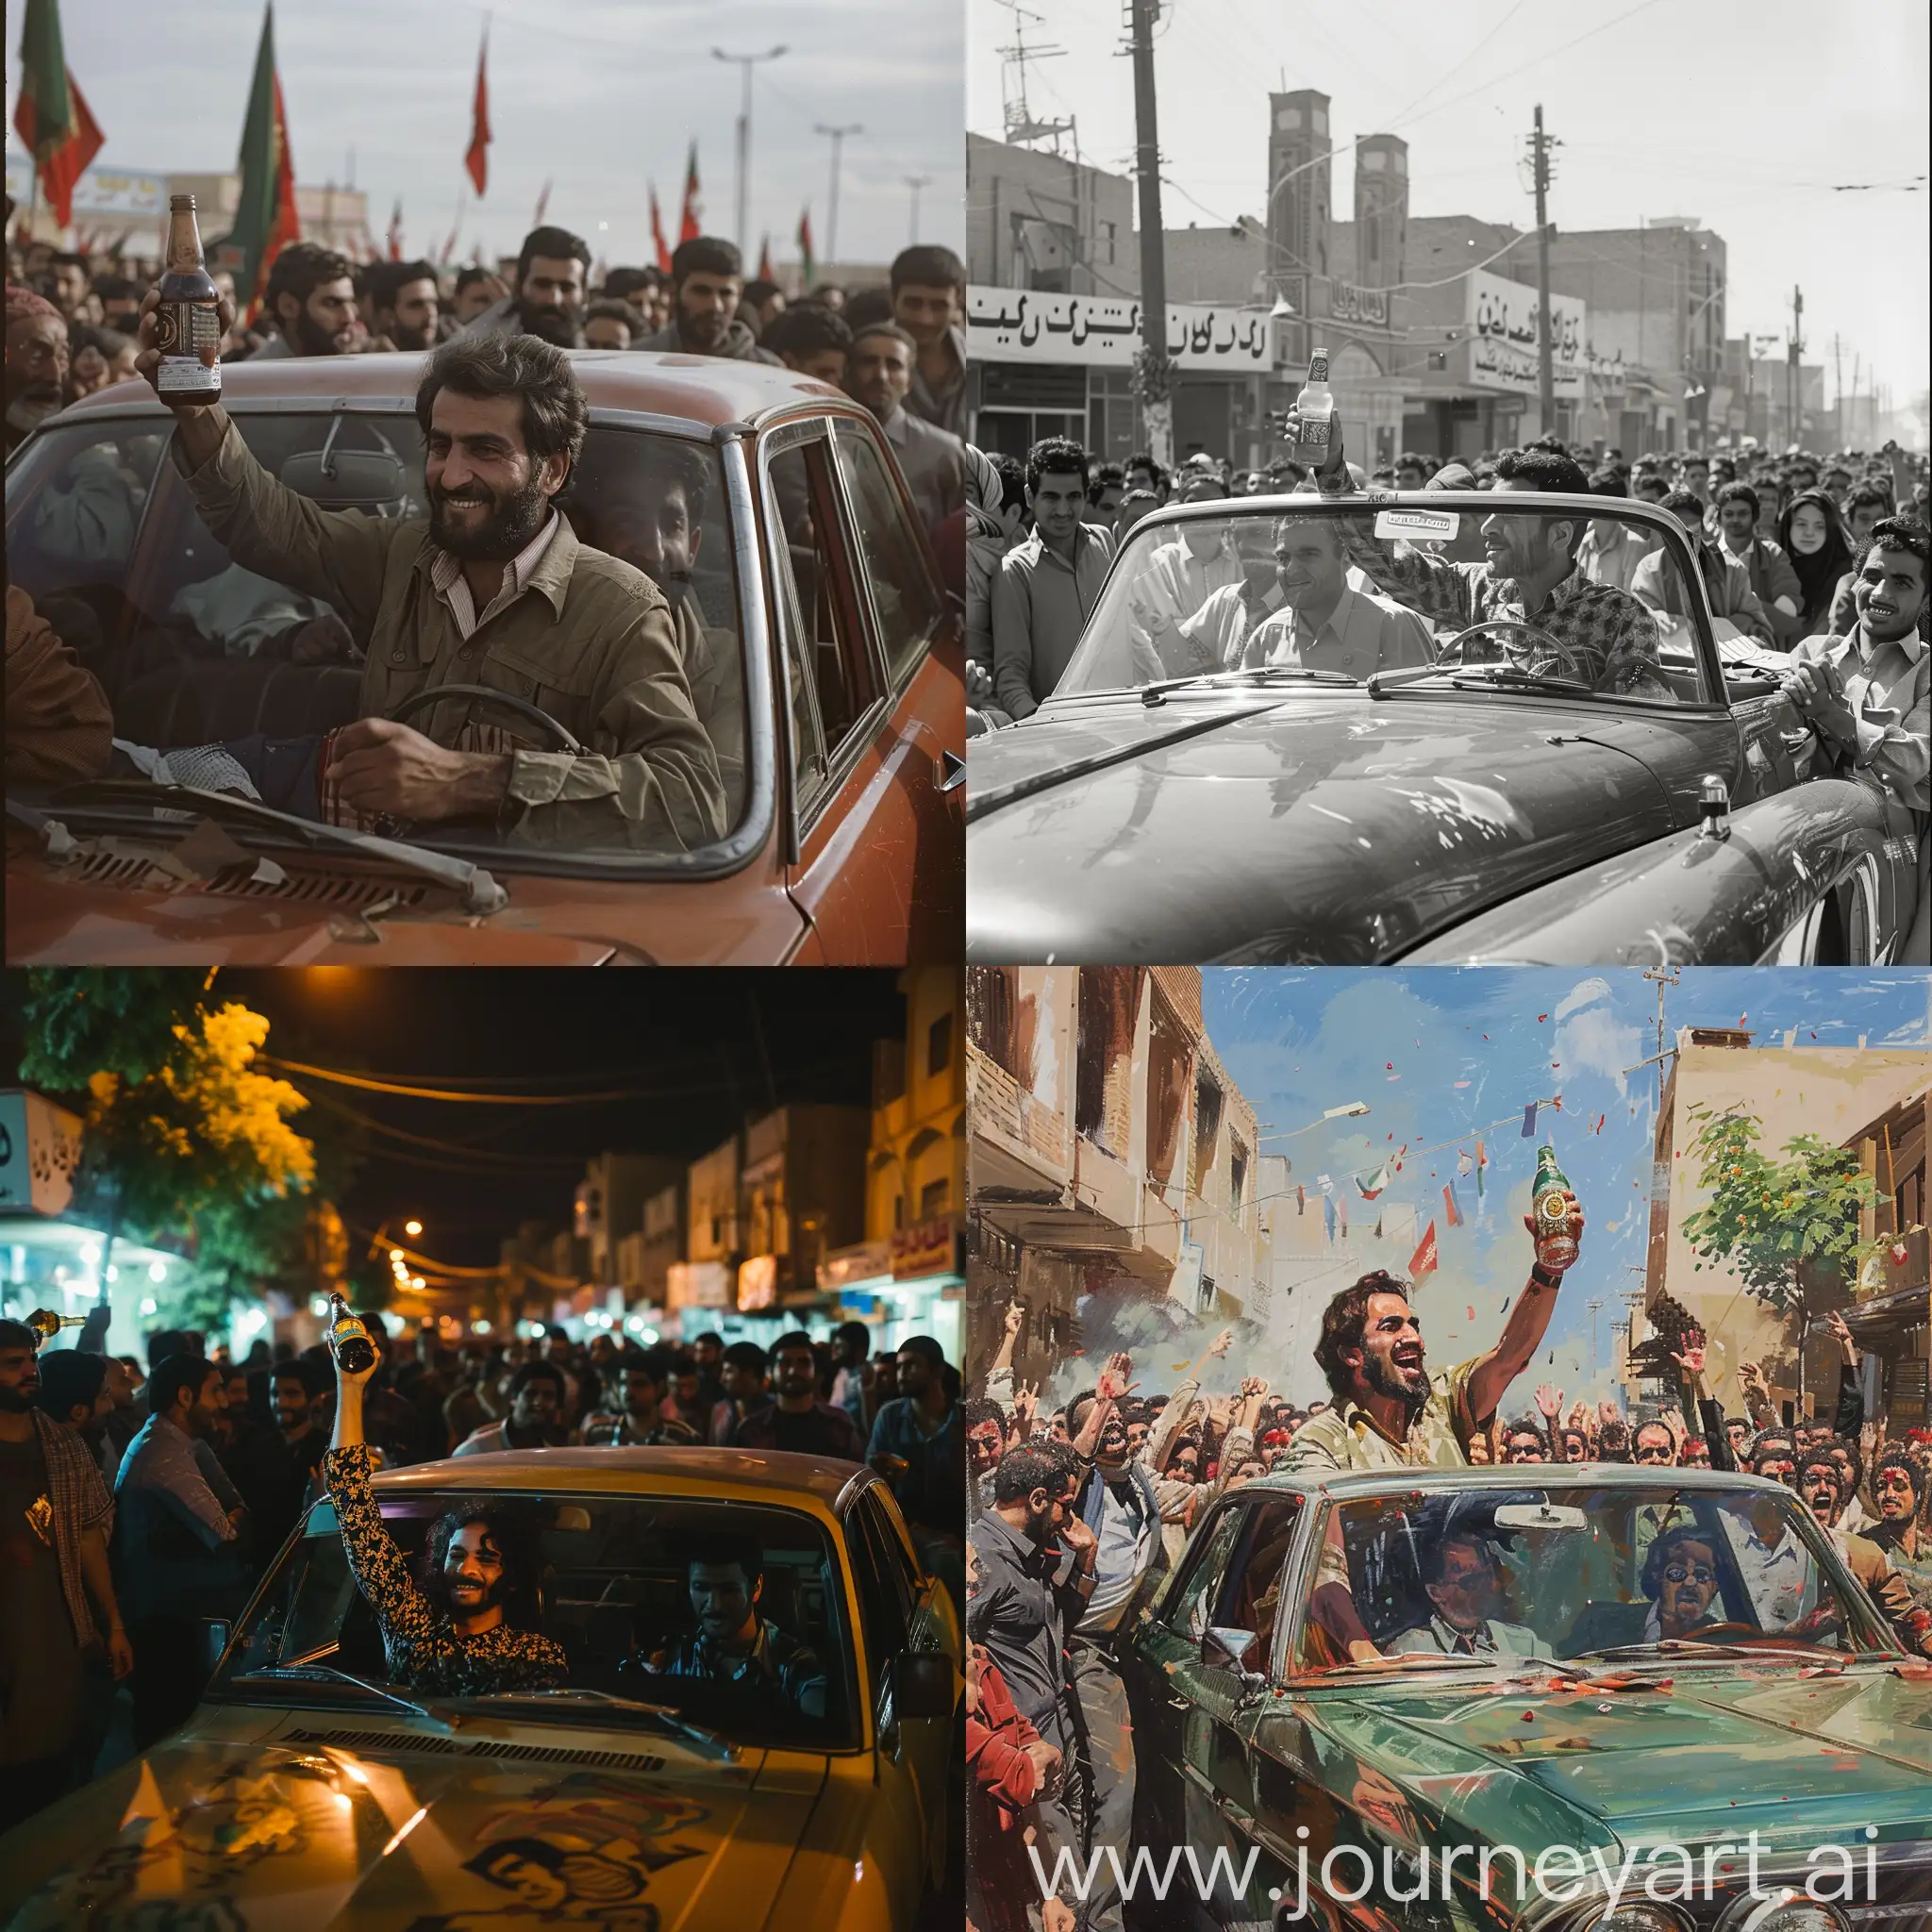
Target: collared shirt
944, 407
1614, 559
1658, 585
1359, 636
1780, 1578
1020, 1615
176, 1551
782, 1662
1489, 1638
933, 462
931, 1488
1607, 630
1345, 1435
1173, 586
1128, 1534
1888, 688
1040, 605
453, 587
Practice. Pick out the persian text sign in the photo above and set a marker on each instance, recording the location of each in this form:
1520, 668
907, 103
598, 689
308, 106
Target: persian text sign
100, 191
1346, 303
1503, 325
1032, 325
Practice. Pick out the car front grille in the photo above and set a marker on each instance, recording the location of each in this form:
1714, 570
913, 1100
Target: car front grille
482, 1747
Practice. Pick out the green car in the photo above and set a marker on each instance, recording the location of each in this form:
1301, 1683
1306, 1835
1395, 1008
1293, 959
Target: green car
1532, 1699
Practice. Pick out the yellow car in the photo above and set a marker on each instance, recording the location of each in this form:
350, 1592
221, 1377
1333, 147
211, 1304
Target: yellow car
644, 1792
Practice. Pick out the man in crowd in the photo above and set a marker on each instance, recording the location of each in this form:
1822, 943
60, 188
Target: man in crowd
928, 286
1612, 548
611, 325
479, 290
851, 1346
918, 1444
633, 1411
933, 462
707, 284
295, 1392
1659, 584
744, 1376
797, 1419
36, 364
58, 1614
67, 285
552, 277
1046, 586
811, 340
1898, 1488
1768, 569
404, 305
1464, 1583
537, 1400
311, 299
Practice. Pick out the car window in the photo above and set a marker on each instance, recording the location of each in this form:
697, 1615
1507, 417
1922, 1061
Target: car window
904, 594
1249, 1594
1187, 1611
1332, 587
819, 612
610, 1583
884, 1610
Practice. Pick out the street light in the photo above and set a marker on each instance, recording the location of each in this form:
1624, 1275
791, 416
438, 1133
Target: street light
1349, 1111
413, 1229
838, 138
746, 62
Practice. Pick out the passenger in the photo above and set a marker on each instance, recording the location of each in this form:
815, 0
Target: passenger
469, 1625
1326, 626
1658, 585
1178, 578
1464, 1583
1680, 1583
734, 1642
60, 727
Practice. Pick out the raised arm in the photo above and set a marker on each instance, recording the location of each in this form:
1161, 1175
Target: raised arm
1522, 1331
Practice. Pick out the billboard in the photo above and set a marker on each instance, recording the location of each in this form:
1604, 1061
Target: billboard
102, 194
1502, 316
1104, 332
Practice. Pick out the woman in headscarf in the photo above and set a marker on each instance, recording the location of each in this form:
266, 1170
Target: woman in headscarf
1812, 534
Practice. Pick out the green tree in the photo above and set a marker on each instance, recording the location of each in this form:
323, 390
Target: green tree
1767, 1218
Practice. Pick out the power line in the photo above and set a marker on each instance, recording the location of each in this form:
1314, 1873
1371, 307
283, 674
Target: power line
477, 1099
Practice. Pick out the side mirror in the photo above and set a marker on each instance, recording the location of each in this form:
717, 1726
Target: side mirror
1228, 1650
923, 1685
214, 1639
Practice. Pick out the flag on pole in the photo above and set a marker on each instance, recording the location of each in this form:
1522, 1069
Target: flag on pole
265, 218
478, 159
1423, 1260
1301, 1199
50, 117
805, 259
690, 222
1375, 1183
543, 203
765, 259
1451, 1211
1378, 1228
657, 240
396, 232
1530, 1121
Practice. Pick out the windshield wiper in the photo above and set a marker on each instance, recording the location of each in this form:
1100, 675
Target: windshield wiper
1255, 673
1502, 677
434, 1713
1690, 1646
479, 892
665, 1713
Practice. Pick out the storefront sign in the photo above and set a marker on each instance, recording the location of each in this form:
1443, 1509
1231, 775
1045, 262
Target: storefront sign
1503, 318
1091, 331
758, 1283
845, 1266
40, 1149
1907, 1406
1346, 303
698, 1285
99, 191
927, 1249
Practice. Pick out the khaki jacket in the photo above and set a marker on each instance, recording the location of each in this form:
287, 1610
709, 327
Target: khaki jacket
591, 641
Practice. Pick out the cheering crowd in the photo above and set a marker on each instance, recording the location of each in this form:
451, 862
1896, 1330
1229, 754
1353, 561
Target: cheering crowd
1081, 1511
135, 1502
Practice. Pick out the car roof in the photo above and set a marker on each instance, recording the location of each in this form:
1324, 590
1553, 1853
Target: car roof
709, 390
777, 1477
1346, 1484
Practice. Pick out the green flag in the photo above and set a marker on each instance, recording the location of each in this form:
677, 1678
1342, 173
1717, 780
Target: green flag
265, 218
50, 117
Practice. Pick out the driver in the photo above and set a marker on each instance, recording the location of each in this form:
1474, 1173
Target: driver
467, 1627
494, 589
1465, 1584
734, 1642
1679, 1581
1604, 637
1324, 625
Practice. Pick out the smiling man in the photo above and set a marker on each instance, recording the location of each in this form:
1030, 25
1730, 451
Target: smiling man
494, 589
1326, 626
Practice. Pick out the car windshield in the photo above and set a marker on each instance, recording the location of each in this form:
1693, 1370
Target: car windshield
611, 1582
1573, 1572
1429, 597
195, 652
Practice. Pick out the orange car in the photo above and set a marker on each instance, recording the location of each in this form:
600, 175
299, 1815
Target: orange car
827, 665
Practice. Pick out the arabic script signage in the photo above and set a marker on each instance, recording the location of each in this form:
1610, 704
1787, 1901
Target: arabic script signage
1346, 303
1031, 325
1502, 317
99, 191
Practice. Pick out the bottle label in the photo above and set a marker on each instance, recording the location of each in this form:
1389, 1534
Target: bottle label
183, 330
1315, 430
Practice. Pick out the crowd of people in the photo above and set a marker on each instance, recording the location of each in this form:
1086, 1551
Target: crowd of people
1081, 1509
137, 1500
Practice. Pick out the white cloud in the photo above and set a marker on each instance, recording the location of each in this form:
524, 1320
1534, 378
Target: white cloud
1595, 1041
1582, 994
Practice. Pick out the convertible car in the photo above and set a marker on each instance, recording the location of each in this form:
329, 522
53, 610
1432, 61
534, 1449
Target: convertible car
821, 648
308, 1791
1410, 773
1568, 1677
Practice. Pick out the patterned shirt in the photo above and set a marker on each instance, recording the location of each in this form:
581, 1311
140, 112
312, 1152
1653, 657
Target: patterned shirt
1609, 632
423, 1650
79, 1503
782, 1662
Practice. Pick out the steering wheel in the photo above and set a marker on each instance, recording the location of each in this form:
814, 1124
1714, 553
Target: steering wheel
1532, 636
482, 694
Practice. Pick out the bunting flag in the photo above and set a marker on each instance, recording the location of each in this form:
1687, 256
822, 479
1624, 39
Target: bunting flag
396, 232
1328, 1216
265, 217
657, 240
50, 117
477, 157
542, 204
765, 259
1599, 1127
1371, 1186
1530, 1121
1464, 1165
690, 222
806, 261
1452, 1213
1423, 1260
1301, 1199
1482, 1160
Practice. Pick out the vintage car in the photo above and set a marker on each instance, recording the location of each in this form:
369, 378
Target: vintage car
1638, 1688
1193, 791
830, 686
308, 1791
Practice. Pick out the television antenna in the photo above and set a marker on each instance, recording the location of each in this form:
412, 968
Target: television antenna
1020, 122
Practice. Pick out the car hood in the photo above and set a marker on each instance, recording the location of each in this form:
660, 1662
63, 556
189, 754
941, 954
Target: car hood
1704, 1757
331, 1828
1319, 826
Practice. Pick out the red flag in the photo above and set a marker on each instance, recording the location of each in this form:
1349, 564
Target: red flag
50, 117
1449, 1207
806, 262
265, 217
396, 232
478, 159
765, 259
689, 228
657, 240
1423, 1260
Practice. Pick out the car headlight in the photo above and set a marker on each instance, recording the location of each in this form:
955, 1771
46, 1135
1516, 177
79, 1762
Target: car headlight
1786, 1911
1637, 1916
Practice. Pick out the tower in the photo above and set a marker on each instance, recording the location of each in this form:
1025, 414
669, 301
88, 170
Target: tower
1298, 165
1381, 209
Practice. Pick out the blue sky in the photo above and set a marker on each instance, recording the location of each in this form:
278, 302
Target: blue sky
1440, 1055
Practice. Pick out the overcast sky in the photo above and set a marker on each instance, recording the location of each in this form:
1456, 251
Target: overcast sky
1739, 115
602, 95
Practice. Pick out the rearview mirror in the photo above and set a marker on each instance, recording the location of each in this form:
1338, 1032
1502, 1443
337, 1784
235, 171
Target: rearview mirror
367, 479
923, 1685
1540, 1516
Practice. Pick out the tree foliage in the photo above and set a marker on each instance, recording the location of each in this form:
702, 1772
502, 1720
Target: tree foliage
1766, 1217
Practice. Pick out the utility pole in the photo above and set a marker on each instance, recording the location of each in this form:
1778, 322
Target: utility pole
1797, 349
838, 138
1663, 977
916, 182
1545, 374
1154, 371
1838, 383
745, 62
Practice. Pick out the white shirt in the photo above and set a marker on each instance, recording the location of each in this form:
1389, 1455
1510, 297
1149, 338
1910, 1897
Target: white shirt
453, 587
1779, 1578
1127, 1547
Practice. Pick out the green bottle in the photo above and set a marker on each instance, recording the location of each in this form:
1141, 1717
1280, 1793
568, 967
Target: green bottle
1556, 1246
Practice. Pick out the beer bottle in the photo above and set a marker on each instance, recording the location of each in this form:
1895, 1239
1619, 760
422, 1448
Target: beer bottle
188, 324
348, 1339
1556, 1246
1315, 405
46, 1324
